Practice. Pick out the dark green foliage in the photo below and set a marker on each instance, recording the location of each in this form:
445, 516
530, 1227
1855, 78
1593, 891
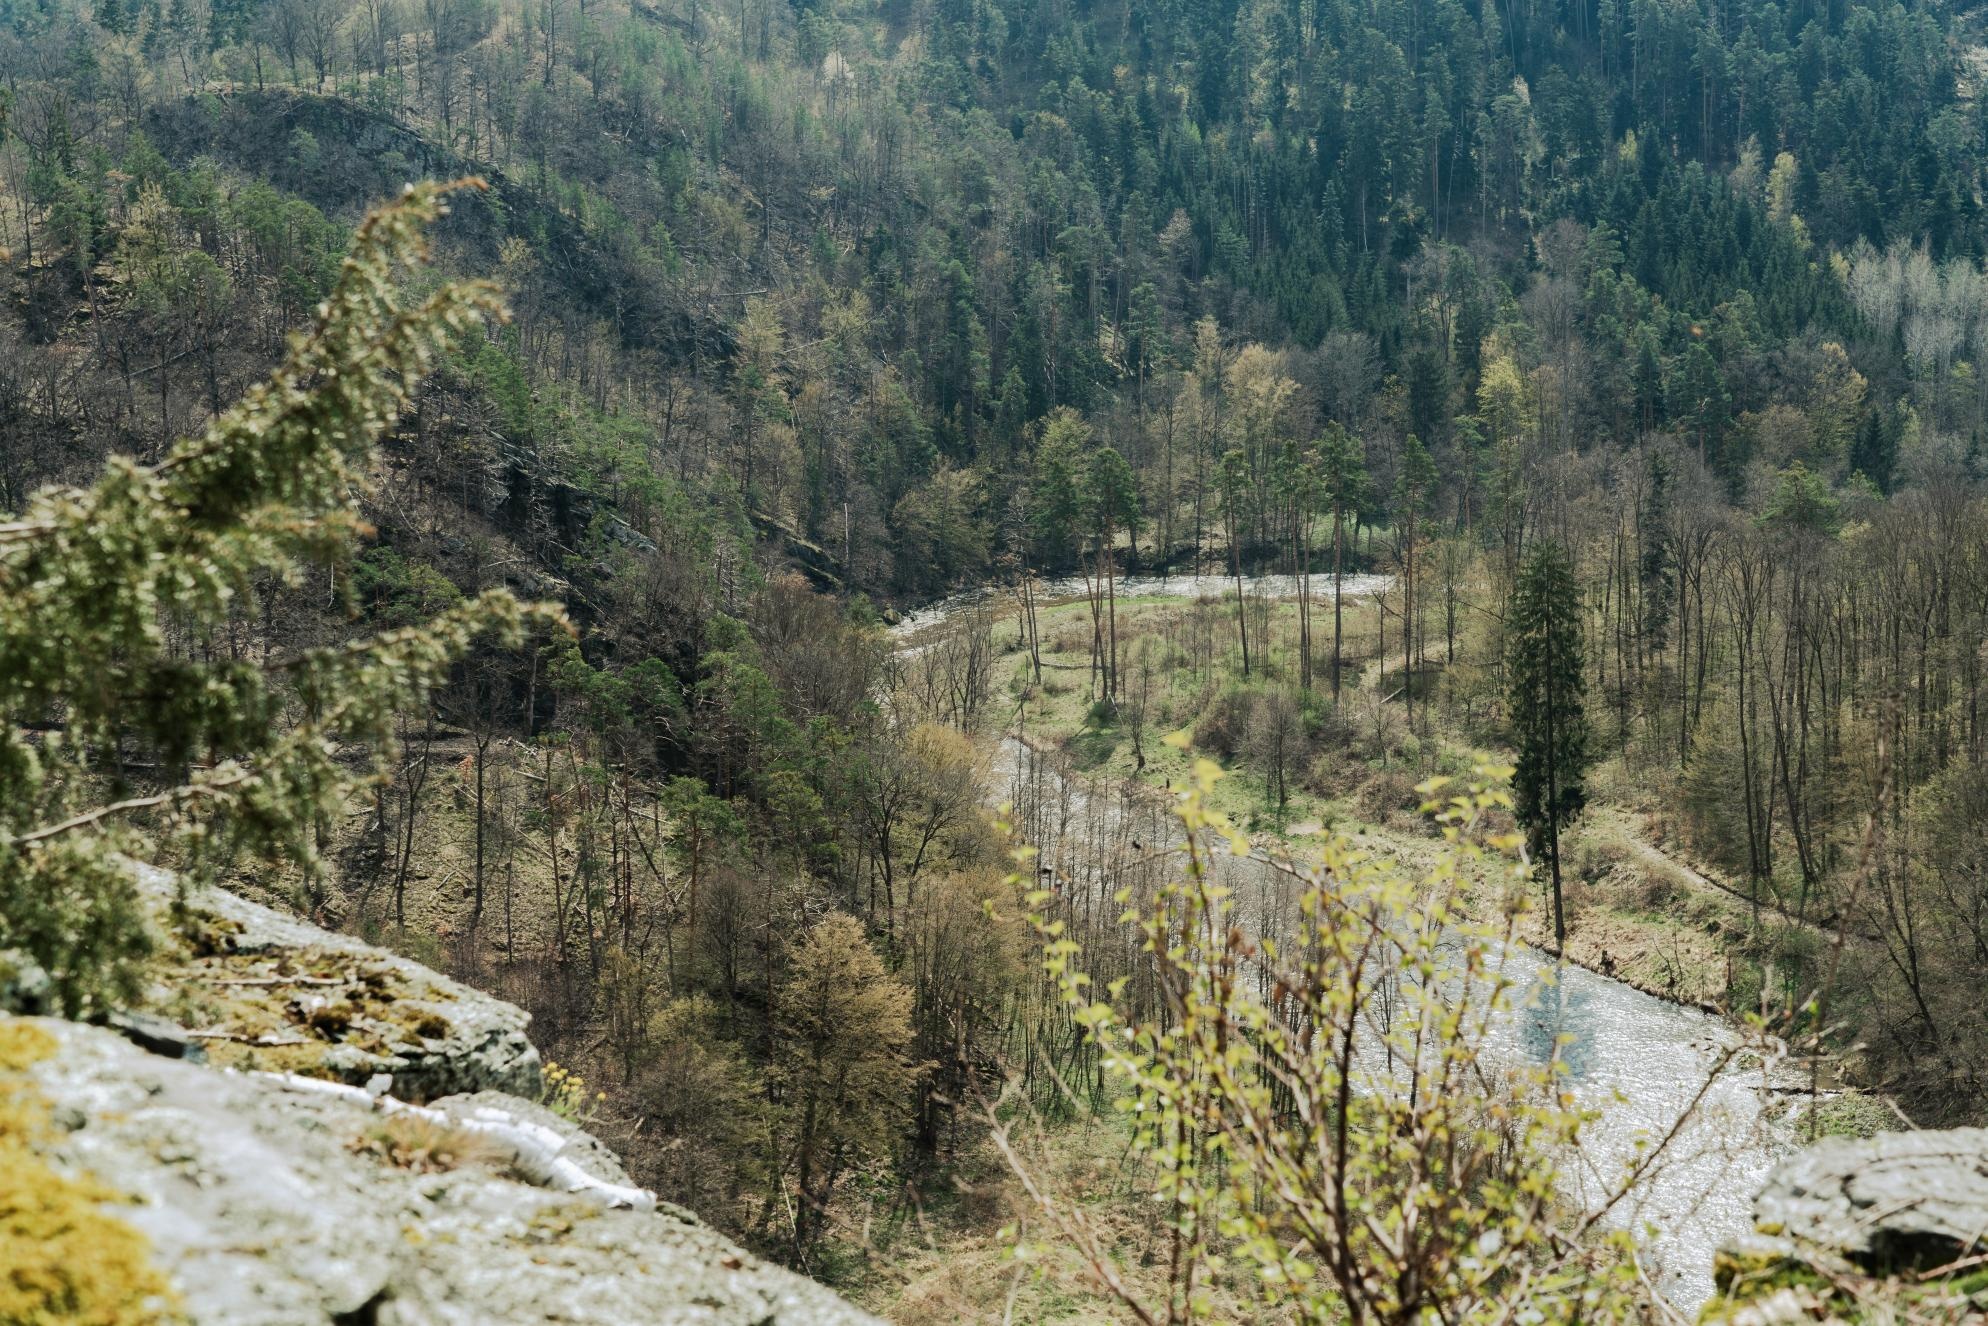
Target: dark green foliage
1545, 659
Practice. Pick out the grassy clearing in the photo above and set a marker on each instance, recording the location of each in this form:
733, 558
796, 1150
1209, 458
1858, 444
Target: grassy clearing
1633, 912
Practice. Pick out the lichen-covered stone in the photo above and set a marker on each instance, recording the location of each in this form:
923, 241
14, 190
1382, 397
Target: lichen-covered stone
1881, 1229
353, 1013
264, 1206
1904, 1199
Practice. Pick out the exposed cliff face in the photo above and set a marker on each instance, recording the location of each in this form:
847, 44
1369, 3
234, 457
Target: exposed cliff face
302, 1184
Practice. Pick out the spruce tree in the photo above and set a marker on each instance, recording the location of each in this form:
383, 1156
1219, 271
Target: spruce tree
130, 725
1544, 663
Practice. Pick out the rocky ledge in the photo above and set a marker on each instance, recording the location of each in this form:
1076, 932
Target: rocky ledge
285, 1201
306, 1131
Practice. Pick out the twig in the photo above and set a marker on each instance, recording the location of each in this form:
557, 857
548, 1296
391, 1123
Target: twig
101, 813
266, 1040
267, 981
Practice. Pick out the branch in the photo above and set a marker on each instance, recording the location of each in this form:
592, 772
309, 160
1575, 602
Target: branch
211, 787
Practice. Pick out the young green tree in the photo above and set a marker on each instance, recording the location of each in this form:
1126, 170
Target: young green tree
123, 734
844, 1026
1336, 1151
1545, 664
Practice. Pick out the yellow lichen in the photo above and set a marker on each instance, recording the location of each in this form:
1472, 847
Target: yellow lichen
64, 1260
283, 1012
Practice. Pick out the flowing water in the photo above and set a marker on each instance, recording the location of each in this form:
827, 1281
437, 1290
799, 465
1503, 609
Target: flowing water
1636, 1059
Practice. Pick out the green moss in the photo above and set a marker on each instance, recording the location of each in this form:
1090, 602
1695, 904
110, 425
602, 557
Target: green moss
1747, 1279
63, 1258
283, 1013
1849, 1114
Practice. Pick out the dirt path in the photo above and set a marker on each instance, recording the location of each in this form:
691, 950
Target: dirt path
1653, 855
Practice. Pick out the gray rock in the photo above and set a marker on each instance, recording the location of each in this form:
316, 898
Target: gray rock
479, 1042
1910, 1199
157, 1035
267, 1208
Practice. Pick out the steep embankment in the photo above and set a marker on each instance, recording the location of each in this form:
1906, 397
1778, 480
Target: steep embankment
377, 1148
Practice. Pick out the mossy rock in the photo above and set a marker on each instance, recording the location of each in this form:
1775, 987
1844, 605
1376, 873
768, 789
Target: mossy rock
265, 1202
266, 991
65, 1256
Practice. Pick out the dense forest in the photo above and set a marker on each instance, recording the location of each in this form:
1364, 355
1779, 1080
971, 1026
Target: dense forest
1640, 347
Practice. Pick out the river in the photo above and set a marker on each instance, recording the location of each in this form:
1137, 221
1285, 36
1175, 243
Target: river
1635, 1059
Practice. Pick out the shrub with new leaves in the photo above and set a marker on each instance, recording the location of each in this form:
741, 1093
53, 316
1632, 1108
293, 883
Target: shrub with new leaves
1325, 1114
116, 659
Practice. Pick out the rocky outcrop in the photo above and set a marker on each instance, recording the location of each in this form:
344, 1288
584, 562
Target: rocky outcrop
273, 1200
310, 1131
1890, 1227
271, 991
1914, 1199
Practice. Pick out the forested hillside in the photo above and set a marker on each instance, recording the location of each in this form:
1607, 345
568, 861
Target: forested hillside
1642, 347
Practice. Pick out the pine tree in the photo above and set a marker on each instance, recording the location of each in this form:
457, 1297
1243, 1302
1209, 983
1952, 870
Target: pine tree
1657, 561
1545, 661
1874, 453
116, 18
126, 730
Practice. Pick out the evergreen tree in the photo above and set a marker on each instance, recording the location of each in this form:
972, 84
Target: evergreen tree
1874, 452
113, 655
1545, 661
1698, 398
116, 17
1656, 562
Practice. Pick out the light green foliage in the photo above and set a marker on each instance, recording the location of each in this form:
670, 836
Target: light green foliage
115, 656
1327, 1111
1801, 502
842, 1067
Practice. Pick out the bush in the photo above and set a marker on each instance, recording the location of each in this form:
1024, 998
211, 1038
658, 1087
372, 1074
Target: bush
121, 599
1287, 1155
1222, 725
1385, 792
